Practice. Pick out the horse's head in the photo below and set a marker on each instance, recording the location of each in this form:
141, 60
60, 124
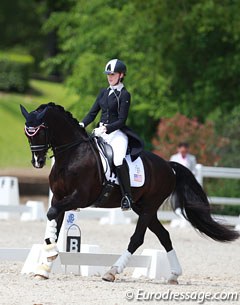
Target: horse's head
37, 134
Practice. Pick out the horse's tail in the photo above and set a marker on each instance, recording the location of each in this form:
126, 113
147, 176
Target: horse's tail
195, 207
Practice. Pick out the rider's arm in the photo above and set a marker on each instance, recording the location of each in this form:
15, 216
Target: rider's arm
93, 111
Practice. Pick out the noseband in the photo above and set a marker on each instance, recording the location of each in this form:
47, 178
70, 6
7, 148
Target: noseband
31, 132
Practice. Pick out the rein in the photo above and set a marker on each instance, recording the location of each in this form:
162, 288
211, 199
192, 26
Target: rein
62, 148
65, 147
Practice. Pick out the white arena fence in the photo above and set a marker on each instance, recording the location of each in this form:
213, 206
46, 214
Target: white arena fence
218, 172
151, 263
10, 206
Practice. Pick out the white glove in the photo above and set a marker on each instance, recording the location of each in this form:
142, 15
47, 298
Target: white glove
81, 124
99, 131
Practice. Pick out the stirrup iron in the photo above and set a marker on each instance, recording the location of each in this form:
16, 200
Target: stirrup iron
126, 203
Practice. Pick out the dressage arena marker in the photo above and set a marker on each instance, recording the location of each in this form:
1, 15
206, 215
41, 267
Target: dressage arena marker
14, 254
10, 204
9, 195
151, 263
36, 211
159, 268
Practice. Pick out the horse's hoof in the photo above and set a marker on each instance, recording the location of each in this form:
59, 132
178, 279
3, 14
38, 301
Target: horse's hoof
173, 282
40, 277
52, 213
108, 277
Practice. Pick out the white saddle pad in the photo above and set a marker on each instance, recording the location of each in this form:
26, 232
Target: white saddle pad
136, 171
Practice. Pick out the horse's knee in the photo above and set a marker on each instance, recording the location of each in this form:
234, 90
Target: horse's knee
135, 242
52, 213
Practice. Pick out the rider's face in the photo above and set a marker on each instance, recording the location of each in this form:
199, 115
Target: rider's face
114, 78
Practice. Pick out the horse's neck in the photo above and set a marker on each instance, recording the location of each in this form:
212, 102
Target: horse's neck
62, 132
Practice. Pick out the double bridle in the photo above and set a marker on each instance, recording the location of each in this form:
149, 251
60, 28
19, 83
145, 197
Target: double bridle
31, 132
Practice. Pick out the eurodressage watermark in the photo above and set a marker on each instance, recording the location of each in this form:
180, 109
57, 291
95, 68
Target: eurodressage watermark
169, 295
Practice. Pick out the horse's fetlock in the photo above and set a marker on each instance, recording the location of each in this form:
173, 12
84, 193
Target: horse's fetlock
51, 251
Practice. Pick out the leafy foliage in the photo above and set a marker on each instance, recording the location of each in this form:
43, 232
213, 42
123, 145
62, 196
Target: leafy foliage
92, 33
181, 57
15, 71
202, 138
229, 127
15, 150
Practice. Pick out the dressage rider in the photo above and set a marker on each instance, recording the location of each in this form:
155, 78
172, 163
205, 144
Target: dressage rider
114, 103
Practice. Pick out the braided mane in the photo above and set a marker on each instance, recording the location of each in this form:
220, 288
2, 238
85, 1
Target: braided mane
61, 109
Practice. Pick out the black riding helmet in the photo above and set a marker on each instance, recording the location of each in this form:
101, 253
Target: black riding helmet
115, 66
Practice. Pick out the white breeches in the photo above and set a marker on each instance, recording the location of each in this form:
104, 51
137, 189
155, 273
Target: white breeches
119, 142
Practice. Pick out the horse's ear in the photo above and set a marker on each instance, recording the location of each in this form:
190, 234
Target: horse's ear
41, 114
24, 112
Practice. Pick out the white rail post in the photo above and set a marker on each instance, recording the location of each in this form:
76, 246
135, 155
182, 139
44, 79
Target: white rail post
199, 173
9, 194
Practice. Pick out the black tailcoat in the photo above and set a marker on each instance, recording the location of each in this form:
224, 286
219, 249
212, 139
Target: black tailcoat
114, 114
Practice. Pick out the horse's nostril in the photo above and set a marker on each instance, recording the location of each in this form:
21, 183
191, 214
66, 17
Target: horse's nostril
41, 162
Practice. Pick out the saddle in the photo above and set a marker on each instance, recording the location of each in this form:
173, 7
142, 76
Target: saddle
136, 168
107, 151
136, 171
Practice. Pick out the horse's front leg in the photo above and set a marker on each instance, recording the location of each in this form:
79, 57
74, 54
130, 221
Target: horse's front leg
135, 242
50, 250
70, 202
55, 217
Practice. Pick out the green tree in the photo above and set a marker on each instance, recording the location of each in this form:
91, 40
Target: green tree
21, 24
201, 42
182, 56
229, 127
93, 32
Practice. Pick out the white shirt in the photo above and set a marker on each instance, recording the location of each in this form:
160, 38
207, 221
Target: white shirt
189, 161
118, 87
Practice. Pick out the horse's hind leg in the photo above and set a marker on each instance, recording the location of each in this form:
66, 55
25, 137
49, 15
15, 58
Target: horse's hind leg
156, 227
135, 242
50, 251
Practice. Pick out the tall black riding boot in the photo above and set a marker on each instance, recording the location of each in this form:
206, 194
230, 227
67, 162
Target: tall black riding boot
124, 182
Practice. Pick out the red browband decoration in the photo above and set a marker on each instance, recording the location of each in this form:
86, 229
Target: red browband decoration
32, 131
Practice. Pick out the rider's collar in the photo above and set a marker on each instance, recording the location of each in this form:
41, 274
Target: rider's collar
117, 87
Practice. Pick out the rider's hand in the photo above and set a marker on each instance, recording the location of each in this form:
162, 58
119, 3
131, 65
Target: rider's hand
99, 131
81, 124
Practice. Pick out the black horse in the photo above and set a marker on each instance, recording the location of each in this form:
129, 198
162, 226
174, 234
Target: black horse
77, 180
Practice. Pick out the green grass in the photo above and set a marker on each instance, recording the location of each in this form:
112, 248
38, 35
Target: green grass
14, 149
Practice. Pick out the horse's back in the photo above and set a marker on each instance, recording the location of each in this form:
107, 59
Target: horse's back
152, 159
158, 172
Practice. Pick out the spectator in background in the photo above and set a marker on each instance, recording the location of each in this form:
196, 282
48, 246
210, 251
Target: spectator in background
183, 157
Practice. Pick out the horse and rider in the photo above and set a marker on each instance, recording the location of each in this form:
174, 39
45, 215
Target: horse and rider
77, 177
114, 103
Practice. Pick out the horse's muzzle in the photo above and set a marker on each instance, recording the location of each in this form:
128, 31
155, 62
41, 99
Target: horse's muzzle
38, 162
